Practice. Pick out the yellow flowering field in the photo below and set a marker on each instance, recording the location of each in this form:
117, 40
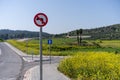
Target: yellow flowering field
92, 66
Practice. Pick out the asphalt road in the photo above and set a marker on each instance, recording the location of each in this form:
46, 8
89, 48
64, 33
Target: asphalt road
10, 63
12, 67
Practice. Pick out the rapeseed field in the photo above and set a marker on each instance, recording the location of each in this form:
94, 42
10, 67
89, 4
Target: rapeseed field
92, 66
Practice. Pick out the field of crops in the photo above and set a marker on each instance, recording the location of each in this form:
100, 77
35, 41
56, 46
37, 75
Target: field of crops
66, 46
92, 66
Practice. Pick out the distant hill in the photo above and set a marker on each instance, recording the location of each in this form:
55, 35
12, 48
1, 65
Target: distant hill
11, 34
106, 32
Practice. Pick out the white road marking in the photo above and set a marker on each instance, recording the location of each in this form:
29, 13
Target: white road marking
0, 51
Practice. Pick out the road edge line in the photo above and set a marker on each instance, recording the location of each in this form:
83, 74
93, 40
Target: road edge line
20, 53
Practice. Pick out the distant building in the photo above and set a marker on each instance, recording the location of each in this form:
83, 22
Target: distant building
84, 36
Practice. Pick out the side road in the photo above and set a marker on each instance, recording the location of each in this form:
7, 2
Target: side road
50, 71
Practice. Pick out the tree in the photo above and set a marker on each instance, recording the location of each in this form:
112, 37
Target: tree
80, 32
77, 32
79, 36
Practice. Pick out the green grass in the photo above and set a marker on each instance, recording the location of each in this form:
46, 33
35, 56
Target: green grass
24, 47
111, 43
66, 46
92, 66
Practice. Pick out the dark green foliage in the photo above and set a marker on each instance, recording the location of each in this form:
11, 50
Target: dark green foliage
79, 38
11, 34
96, 44
78, 41
61, 48
1, 40
80, 31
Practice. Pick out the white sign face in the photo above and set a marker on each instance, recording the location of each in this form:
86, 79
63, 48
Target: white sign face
40, 19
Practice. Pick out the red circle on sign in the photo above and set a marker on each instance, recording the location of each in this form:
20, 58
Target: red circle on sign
40, 19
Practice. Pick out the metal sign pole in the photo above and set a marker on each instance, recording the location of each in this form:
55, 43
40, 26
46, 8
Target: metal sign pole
40, 37
50, 52
40, 20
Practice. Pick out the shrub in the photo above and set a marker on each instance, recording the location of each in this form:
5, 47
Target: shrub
92, 66
1, 40
96, 44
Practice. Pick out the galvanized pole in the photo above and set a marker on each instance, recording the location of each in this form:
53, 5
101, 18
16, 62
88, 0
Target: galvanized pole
40, 37
50, 52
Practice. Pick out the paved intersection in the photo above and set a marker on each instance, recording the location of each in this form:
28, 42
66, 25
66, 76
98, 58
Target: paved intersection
50, 71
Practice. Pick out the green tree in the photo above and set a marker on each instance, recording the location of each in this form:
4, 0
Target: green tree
77, 32
80, 33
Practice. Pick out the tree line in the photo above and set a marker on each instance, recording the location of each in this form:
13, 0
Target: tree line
11, 34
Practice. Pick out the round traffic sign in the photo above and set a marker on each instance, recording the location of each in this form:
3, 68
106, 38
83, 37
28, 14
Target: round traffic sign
40, 19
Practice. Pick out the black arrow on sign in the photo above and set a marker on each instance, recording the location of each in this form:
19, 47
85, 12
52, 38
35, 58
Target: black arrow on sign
41, 20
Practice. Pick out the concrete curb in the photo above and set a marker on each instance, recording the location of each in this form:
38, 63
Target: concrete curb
27, 75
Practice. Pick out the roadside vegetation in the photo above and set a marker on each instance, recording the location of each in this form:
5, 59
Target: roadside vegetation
92, 66
1, 40
91, 60
66, 46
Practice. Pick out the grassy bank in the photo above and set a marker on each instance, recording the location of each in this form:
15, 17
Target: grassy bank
66, 46
92, 66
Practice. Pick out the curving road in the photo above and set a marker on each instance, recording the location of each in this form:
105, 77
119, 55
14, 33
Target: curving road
10, 63
12, 67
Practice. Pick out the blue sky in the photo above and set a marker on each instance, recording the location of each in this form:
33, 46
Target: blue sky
63, 15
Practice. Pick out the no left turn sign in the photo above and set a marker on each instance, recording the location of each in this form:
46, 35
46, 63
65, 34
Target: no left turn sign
40, 19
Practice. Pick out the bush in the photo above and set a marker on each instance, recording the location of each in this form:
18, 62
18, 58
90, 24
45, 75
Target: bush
1, 40
92, 66
96, 44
